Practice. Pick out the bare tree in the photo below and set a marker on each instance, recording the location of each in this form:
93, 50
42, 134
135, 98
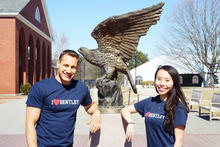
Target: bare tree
194, 35
59, 44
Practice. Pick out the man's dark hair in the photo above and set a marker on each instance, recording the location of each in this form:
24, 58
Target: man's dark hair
70, 53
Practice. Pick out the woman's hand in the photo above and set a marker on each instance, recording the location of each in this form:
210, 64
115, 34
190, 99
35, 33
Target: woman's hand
126, 115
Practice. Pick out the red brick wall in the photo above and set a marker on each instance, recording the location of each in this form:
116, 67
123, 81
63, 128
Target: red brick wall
28, 31
9, 45
29, 13
7, 55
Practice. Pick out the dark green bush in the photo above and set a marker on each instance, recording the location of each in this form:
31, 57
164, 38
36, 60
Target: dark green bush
25, 88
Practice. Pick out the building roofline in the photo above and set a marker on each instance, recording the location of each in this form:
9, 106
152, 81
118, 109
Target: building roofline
8, 14
28, 23
19, 10
47, 19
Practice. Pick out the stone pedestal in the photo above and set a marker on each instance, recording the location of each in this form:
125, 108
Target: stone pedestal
109, 93
111, 134
110, 110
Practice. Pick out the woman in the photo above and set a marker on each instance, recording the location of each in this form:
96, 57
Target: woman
165, 115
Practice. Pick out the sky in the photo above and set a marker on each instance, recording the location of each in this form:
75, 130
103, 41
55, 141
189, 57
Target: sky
77, 19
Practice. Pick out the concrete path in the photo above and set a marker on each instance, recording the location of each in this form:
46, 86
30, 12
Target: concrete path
200, 132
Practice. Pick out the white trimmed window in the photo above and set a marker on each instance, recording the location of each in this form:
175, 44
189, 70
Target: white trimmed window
37, 14
195, 79
181, 80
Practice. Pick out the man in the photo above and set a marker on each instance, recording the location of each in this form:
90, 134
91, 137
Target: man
52, 105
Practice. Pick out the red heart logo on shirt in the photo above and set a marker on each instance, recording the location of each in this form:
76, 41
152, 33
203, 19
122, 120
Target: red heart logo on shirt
56, 101
147, 114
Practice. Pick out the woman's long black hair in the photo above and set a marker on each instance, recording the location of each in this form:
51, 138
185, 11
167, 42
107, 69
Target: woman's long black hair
174, 96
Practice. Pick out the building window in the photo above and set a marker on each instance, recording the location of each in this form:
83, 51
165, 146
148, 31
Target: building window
139, 79
181, 80
195, 79
215, 79
37, 14
29, 52
36, 50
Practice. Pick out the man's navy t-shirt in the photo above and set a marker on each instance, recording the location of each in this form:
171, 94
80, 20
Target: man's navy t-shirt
58, 104
153, 110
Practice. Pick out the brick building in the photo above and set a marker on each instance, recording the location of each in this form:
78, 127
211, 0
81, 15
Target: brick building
25, 43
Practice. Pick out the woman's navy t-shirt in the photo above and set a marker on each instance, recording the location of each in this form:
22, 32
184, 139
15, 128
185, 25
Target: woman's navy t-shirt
153, 110
58, 104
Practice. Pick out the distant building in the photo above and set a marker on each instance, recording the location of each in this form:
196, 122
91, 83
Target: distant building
25, 43
191, 80
146, 71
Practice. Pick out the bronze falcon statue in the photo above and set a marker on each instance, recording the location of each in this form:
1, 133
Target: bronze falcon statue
117, 39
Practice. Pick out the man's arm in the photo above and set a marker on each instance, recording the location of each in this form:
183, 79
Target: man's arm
32, 116
95, 120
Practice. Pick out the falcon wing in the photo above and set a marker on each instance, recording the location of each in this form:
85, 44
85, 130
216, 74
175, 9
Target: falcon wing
121, 34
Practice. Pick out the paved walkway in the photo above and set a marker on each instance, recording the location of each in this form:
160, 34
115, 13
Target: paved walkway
199, 132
